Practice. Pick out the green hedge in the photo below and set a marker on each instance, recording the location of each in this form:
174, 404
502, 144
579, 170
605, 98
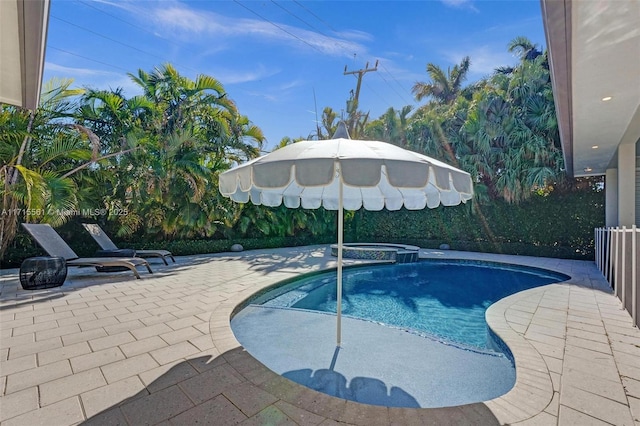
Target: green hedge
185, 248
559, 225
23, 247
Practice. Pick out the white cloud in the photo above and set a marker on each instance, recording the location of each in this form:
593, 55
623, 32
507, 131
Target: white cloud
212, 50
279, 94
455, 3
522, 26
460, 4
188, 23
291, 84
274, 98
120, 4
70, 71
93, 78
188, 20
226, 76
484, 60
355, 35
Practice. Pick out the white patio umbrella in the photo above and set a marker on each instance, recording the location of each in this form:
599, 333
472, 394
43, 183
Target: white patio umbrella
342, 173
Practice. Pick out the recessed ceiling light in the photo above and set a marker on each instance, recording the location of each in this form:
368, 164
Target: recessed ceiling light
588, 169
595, 147
606, 98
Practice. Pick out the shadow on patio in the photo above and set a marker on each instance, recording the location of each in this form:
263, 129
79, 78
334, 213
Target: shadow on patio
234, 387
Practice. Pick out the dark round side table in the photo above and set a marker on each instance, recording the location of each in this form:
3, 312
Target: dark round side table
43, 272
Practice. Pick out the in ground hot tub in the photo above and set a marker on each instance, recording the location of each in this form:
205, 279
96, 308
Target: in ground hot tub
398, 253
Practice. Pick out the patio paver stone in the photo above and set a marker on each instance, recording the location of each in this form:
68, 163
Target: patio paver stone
109, 349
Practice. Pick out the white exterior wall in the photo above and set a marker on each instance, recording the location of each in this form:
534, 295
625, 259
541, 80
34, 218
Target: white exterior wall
611, 197
638, 191
626, 184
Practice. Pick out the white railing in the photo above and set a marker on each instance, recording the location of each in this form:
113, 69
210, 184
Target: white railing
618, 258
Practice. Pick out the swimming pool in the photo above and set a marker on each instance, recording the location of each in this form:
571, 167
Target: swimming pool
443, 300
414, 335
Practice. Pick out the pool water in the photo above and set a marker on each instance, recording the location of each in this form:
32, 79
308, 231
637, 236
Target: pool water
414, 335
443, 300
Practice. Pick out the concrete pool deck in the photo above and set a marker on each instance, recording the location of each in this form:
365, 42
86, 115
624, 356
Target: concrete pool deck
110, 349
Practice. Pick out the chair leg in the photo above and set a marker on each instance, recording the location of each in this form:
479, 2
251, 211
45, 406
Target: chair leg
134, 270
164, 260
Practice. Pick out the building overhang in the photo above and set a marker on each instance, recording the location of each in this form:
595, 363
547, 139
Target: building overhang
594, 56
23, 37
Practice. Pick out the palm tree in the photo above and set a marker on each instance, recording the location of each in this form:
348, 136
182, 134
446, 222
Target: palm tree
43, 157
187, 132
111, 116
285, 141
329, 124
524, 48
512, 136
390, 127
444, 87
178, 99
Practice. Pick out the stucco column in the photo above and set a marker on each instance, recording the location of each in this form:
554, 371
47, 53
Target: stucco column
626, 184
611, 197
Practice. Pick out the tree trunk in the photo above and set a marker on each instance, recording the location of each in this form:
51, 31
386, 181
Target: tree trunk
8, 219
9, 213
485, 226
23, 147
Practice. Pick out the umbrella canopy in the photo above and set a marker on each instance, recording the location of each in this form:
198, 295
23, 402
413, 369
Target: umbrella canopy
341, 173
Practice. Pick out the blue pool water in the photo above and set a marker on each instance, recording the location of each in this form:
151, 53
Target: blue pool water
413, 335
443, 300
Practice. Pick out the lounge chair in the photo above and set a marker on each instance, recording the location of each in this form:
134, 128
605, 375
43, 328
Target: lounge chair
53, 244
105, 243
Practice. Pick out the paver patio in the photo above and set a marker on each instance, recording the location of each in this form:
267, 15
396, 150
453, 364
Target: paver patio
110, 349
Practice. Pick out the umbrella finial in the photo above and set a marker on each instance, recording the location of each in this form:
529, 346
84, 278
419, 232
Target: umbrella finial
341, 131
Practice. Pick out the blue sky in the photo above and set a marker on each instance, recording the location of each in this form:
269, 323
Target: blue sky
273, 56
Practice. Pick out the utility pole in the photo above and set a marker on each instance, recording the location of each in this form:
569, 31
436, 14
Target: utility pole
352, 104
360, 73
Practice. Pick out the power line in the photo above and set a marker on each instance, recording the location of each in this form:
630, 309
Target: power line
153, 33
106, 37
114, 41
297, 17
88, 59
318, 31
393, 88
112, 15
316, 16
343, 47
377, 94
335, 41
278, 26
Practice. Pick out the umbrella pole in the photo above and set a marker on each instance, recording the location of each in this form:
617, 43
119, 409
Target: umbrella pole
339, 285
